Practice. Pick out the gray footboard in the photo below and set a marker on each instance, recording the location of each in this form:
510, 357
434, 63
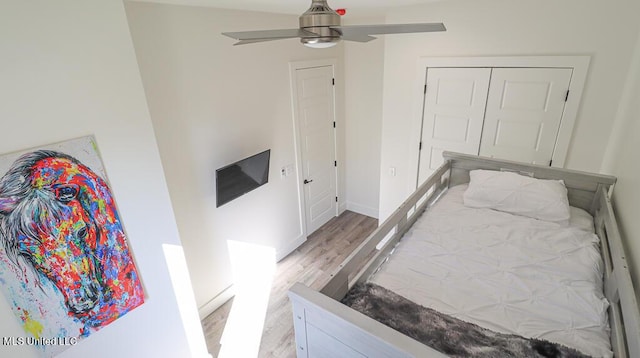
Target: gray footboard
326, 328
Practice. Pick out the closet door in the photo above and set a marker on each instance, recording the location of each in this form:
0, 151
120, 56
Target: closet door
454, 108
523, 114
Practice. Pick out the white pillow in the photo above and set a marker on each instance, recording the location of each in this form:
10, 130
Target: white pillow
517, 194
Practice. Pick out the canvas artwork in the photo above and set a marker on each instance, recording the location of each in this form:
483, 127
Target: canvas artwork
65, 266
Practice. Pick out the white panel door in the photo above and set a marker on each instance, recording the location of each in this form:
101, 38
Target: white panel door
315, 113
524, 110
454, 108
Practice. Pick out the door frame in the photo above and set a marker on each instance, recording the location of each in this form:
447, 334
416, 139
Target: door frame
579, 65
302, 205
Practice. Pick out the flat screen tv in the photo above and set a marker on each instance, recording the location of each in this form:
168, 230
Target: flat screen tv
241, 177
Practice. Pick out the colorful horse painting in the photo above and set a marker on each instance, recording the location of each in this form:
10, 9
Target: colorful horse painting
59, 220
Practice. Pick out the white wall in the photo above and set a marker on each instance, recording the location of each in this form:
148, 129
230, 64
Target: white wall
68, 69
211, 104
603, 30
622, 161
364, 69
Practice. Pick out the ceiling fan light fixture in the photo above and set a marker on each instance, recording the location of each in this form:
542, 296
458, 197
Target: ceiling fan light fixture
320, 42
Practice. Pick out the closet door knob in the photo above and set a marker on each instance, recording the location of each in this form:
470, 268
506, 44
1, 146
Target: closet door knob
307, 181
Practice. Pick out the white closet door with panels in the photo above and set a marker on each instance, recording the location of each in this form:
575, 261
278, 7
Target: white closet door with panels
524, 110
506, 113
453, 114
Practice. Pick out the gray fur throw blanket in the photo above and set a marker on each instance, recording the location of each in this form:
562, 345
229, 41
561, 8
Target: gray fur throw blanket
444, 333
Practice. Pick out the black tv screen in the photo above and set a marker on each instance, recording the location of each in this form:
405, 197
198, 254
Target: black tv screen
241, 177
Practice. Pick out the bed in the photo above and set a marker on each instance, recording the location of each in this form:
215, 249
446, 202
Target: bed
325, 327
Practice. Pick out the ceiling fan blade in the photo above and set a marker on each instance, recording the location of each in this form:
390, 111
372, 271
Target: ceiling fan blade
357, 37
359, 30
266, 35
253, 41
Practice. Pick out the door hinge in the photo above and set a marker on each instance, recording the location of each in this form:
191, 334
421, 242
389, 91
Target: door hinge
334, 124
420, 146
566, 97
550, 162
336, 199
425, 89
333, 81
335, 163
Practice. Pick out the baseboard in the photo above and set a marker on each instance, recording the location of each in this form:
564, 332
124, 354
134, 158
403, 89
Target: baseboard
283, 252
363, 209
216, 302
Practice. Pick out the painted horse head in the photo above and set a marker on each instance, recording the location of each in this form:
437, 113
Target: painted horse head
59, 217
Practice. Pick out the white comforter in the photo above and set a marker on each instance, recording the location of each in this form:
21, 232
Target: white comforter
504, 272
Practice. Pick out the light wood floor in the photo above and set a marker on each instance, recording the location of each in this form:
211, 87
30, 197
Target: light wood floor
310, 264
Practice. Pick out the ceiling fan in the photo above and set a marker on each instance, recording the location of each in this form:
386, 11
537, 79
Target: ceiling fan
320, 28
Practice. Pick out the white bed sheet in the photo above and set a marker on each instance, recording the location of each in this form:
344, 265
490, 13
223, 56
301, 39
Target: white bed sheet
504, 272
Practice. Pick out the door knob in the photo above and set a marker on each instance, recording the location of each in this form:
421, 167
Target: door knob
307, 181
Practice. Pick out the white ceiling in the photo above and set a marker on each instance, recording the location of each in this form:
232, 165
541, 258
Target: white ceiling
360, 7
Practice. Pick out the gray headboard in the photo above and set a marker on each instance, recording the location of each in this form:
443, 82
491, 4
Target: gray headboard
581, 186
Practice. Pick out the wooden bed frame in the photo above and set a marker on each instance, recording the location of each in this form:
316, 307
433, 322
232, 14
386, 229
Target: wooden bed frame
324, 327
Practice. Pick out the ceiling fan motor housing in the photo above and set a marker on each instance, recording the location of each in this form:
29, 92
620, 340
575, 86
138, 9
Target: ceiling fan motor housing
318, 19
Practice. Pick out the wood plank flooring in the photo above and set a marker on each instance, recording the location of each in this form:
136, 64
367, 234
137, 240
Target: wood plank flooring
311, 264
